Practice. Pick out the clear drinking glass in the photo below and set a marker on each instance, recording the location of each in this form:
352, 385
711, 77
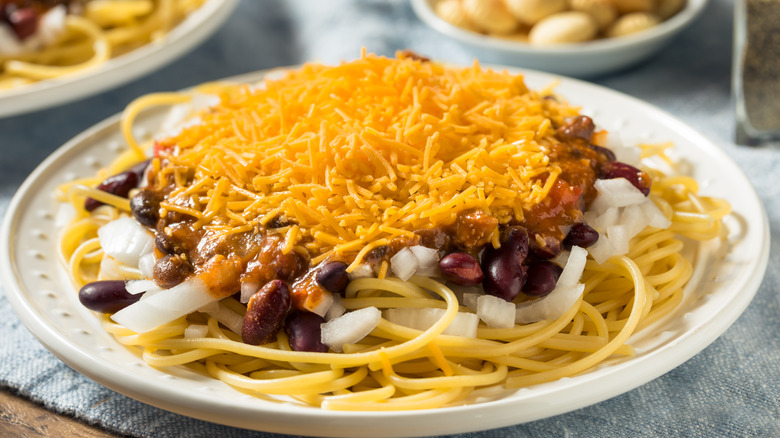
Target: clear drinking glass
756, 71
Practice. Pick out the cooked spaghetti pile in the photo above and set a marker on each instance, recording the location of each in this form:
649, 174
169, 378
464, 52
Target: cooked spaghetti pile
403, 235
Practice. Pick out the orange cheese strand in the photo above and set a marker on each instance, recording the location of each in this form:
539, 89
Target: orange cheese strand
367, 150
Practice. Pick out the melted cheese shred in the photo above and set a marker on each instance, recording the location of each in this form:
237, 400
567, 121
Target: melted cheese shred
419, 144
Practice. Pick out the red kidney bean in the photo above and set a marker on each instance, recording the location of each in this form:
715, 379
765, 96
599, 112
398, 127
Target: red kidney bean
165, 244
514, 240
119, 185
461, 268
145, 207
140, 168
171, 270
107, 296
541, 278
638, 178
333, 277
504, 274
265, 313
545, 247
304, 331
607, 154
24, 22
580, 127
581, 235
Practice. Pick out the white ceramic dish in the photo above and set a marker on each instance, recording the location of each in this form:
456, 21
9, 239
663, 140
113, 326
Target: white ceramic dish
189, 33
722, 287
583, 60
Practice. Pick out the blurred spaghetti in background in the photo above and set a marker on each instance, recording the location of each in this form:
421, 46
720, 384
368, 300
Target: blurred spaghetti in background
47, 39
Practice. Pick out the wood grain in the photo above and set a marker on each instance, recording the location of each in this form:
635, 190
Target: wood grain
20, 417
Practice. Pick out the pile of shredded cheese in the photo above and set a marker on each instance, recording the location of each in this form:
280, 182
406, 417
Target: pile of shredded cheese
356, 154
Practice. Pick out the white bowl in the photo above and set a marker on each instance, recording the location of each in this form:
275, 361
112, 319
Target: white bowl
193, 30
582, 59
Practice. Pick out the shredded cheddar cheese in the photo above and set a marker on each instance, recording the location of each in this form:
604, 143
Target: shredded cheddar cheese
419, 143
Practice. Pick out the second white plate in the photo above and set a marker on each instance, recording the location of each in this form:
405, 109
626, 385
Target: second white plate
195, 28
723, 286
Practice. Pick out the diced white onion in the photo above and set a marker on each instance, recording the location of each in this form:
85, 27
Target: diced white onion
196, 331
363, 270
52, 24
572, 270
618, 237
164, 307
320, 307
634, 219
415, 260
601, 250
201, 101
174, 121
550, 307
336, 309
464, 324
135, 287
248, 288
562, 258
616, 192
602, 220
146, 264
228, 318
620, 212
9, 44
50, 27
628, 154
150, 293
496, 312
427, 261
404, 264
350, 327
184, 115
655, 216
125, 240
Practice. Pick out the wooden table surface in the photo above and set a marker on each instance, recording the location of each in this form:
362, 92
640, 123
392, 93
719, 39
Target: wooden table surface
20, 417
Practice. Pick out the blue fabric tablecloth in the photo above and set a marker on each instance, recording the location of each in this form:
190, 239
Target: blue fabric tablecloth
729, 389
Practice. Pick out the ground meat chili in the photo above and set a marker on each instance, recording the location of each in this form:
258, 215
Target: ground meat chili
252, 260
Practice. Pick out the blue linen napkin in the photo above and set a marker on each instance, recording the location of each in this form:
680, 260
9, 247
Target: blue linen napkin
729, 389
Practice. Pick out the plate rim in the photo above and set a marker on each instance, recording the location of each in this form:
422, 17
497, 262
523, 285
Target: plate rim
184, 37
283, 416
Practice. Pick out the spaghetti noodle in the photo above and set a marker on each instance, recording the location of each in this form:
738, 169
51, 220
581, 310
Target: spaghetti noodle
42, 40
423, 211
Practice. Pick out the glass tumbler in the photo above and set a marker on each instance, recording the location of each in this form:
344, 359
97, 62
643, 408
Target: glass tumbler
756, 71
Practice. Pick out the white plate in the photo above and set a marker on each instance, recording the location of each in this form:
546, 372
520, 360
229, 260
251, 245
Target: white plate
722, 288
195, 28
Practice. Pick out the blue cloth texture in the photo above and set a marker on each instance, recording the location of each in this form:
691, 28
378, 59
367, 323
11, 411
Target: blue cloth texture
732, 388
